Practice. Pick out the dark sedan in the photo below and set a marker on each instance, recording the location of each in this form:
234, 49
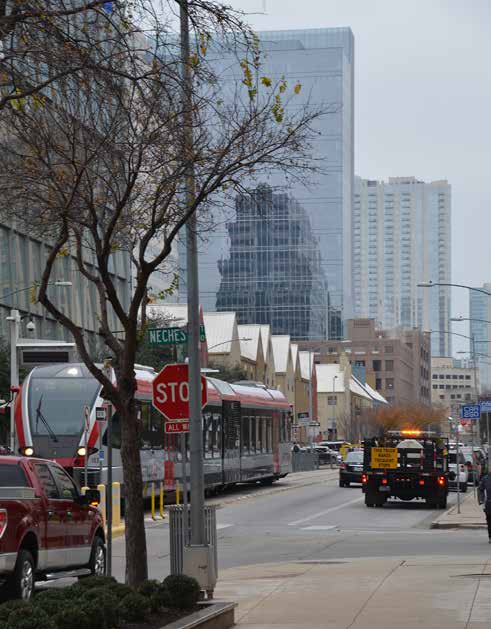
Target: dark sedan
351, 469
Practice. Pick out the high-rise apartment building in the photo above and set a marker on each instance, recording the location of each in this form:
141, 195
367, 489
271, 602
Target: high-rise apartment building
401, 237
322, 61
273, 273
480, 329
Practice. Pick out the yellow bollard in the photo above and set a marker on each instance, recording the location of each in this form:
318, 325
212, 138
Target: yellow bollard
153, 501
162, 512
178, 493
116, 504
102, 504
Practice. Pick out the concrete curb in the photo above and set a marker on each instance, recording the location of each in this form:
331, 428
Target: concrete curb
118, 531
444, 521
212, 616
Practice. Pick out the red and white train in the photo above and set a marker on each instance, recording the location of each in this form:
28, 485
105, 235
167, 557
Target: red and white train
246, 429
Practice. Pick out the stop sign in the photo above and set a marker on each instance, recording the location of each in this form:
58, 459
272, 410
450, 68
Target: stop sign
170, 392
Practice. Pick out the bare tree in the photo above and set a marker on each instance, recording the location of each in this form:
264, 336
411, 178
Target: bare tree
98, 169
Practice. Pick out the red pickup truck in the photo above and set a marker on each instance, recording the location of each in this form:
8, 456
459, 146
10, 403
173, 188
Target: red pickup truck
48, 529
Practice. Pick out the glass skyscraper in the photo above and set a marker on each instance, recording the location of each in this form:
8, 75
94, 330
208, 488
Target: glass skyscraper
480, 329
322, 61
273, 273
401, 237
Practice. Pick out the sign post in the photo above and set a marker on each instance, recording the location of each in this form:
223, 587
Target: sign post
100, 416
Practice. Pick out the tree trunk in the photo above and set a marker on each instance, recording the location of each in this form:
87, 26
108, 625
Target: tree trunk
136, 543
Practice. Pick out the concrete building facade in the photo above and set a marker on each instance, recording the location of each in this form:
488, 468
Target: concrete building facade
452, 385
401, 237
397, 362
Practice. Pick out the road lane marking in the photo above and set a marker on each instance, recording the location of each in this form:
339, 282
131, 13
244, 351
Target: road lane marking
327, 527
326, 511
223, 526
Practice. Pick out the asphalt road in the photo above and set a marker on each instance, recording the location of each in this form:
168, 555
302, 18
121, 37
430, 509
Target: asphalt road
312, 519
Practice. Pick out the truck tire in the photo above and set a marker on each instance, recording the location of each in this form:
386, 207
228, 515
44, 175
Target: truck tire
369, 500
97, 563
21, 583
442, 504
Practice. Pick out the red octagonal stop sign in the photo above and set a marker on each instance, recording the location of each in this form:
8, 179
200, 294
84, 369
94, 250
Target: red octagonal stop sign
170, 392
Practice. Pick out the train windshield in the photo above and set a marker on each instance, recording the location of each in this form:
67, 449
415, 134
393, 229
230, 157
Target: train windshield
56, 405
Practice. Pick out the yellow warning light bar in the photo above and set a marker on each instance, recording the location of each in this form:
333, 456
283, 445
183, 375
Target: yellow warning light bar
411, 433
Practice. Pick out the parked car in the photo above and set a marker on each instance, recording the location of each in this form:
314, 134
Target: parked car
326, 455
48, 528
461, 472
352, 469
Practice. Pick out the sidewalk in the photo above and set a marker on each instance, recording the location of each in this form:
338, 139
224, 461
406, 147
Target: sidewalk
471, 515
429, 592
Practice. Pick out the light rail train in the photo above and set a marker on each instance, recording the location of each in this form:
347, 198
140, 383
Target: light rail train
246, 429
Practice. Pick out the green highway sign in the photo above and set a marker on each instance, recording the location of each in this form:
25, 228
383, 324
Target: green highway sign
172, 336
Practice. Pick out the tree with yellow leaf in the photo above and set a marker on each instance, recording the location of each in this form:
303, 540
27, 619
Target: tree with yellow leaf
98, 171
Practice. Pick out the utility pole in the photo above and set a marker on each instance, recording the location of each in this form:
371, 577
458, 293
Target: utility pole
472, 421
311, 404
14, 320
195, 426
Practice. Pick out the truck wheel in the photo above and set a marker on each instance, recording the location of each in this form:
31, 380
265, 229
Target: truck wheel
443, 503
369, 500
97, 563
21, 583
341, 483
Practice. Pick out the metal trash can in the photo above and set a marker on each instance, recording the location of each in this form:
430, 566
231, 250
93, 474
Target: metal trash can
180, 534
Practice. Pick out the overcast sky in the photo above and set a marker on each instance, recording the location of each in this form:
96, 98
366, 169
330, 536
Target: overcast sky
422, 103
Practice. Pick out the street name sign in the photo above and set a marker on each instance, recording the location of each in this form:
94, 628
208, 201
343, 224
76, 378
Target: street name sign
172, 336
383, 458
470, 411
170, 391
485, 406
173, 428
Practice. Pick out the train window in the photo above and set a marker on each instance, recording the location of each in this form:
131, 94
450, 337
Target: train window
269, 435
152, 426
252, 447
245, 435
259, 434
217, 435
208, 435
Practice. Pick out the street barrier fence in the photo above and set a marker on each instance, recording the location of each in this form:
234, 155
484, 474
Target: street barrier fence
305, 461
180, 527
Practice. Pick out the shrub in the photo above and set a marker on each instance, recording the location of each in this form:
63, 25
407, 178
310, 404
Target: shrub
8, 607
184, 591
95, 620
74, 592
29, 617
51, 601
71, 618
118, 589
89, 583
133, 607
156, 594
105, 603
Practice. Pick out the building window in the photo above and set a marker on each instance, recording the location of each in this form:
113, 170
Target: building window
378, 384
435, 376
461, 377
377, 365
389, 383
389, 365
467, 377
435, 386
454, 377
448, 377
442, 386
442, 397
448, 386
467, 396
389, 349
332, 400
452, 397
458, 396
441, 376
359, 363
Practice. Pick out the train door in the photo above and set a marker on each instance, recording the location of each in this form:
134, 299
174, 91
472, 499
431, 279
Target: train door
231, 411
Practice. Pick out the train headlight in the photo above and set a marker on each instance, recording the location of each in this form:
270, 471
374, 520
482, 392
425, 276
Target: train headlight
81, 451
28, 451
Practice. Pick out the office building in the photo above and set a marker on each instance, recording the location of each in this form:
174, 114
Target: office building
21, 264
480, 329
396, 363
401, 237
322, 61
452, 385
273, 274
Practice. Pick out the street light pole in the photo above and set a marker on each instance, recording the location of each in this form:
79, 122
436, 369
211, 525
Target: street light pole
195, 428
14, 370
311, 402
